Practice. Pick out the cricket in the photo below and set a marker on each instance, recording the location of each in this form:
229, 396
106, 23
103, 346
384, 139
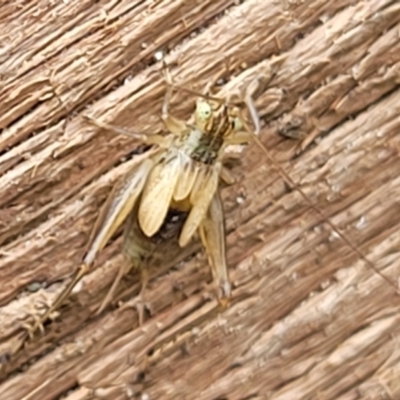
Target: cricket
199, 200
171, 196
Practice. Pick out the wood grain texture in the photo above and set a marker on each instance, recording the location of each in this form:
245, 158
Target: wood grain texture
309, 318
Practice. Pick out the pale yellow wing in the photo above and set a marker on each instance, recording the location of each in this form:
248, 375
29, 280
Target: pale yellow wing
157, 193
212, 233
201, 196
203, 174
117, 207
187, 178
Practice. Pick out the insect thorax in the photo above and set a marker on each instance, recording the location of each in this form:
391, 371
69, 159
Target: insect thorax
204, 142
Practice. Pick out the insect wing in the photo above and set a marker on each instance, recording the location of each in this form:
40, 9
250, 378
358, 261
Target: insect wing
117, 207
201, 196
158, 192
212, 233
187, 178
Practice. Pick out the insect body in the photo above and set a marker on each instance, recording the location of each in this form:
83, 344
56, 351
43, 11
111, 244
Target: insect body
172, 195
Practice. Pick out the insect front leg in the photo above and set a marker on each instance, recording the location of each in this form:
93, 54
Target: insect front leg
212, 233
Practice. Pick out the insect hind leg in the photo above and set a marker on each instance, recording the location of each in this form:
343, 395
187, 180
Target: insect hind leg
39, 321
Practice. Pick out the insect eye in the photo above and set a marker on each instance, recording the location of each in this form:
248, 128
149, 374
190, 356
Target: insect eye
203, 111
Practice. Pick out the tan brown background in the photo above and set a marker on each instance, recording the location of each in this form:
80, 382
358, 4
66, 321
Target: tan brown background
309, 318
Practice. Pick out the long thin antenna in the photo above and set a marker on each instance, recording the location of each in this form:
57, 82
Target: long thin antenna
285, 176
290, 182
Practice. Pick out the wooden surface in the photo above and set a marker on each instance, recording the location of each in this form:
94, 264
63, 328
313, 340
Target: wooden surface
310, 317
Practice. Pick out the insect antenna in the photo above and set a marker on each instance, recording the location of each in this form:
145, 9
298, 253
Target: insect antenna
294, 186
170, 82
248, 101
198, 94
150, 138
